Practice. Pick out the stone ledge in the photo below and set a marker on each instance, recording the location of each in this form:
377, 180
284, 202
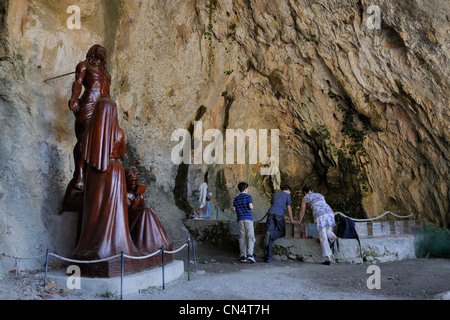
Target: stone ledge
387, 245
373, 249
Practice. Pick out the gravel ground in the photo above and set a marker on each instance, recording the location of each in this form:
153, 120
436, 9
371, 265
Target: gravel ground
220, 276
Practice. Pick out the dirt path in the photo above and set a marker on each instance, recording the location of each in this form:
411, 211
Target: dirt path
221, 276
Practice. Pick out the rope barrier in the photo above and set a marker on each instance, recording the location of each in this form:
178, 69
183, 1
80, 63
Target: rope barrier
142, 257
83, 261
265, 216
17, 261
177, 250
187, 243
336, 213
372, 219
223, 212
234, 217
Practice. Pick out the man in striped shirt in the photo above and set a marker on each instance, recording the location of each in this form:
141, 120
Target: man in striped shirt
243, 205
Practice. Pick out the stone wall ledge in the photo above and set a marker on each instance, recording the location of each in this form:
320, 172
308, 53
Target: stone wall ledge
377, 249
373, 249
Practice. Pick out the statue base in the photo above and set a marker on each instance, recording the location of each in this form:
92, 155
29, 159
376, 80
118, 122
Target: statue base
113, 268
131, 284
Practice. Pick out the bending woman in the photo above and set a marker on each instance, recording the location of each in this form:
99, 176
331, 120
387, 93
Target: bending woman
323, 218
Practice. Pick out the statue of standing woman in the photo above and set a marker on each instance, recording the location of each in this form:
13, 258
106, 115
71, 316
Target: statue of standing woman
105, 230
96, 80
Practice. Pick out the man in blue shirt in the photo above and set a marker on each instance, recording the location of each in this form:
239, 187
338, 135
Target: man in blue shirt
243, 205
276, 226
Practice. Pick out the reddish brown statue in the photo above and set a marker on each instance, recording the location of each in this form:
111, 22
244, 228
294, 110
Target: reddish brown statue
146, 231
105, 231
98, 189
94, 77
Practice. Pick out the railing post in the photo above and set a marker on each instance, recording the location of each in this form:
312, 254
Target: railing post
121, 275
163, 271
189, 258
46, 268
193, 252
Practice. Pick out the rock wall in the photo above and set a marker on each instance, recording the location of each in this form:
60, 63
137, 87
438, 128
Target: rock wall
362, 113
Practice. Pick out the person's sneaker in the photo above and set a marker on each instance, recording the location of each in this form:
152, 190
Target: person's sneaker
326, 262
243, 259
251, 258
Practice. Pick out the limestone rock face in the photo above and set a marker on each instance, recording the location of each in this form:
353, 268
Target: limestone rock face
362, 112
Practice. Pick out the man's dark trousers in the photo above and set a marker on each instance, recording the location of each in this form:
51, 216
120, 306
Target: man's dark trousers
276, 226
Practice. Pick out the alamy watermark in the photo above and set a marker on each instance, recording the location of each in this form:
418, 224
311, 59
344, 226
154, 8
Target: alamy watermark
235, 140
74, 281
374, 21
74, 21
374, 281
